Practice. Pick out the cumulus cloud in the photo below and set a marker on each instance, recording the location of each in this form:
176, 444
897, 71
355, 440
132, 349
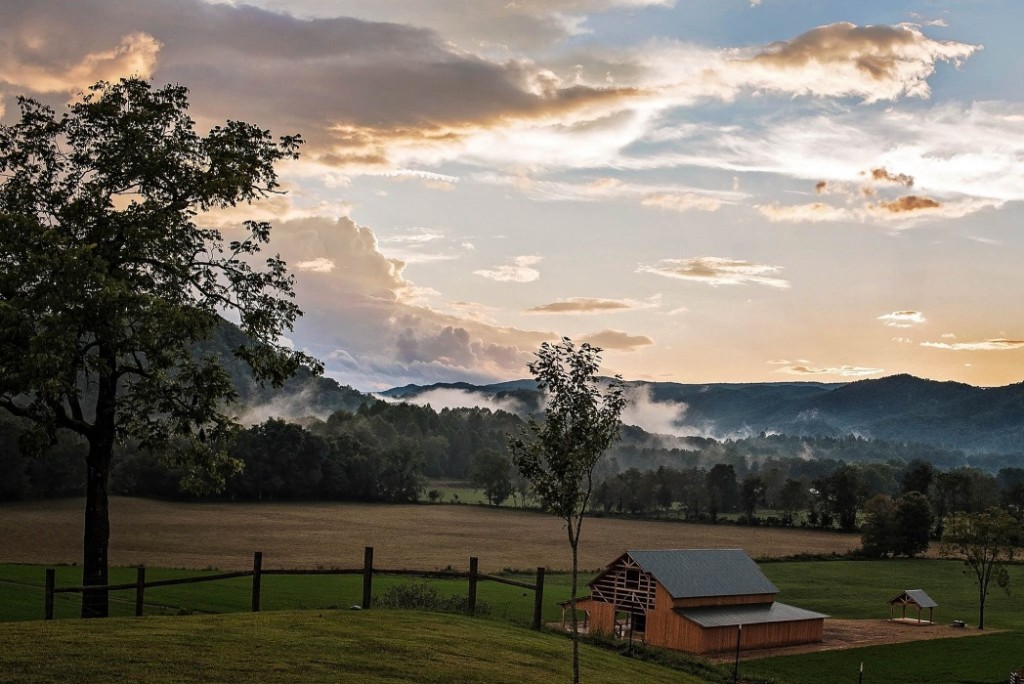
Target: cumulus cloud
38, 61
364, 319
616, 340
587, 305
519, 271
496, 27
842, 371
902, 319
842, 59
359, 91
909, 203
718, 271
985, 345
898, 178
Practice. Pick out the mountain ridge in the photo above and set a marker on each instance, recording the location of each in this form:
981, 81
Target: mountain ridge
899, 407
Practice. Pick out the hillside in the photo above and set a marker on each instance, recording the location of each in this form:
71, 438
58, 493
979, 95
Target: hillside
900, 408
305, 648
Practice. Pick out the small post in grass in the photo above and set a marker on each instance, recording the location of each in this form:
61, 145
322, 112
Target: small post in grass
538, 600
367, 577
473, 565
860, 677
51, 580
736, 667
257, 572
140, 589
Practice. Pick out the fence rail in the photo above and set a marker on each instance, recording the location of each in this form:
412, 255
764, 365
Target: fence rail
368, 570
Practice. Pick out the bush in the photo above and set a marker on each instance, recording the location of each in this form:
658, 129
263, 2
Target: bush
422, 595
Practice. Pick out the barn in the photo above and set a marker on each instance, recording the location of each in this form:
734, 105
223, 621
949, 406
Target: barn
695, 600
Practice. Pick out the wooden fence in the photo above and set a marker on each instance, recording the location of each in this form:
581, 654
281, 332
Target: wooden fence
367, 571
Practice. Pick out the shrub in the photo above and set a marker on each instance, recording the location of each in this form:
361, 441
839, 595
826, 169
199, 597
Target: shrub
422, 595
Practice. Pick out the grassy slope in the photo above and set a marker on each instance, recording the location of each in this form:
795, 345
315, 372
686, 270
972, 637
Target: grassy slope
369, 646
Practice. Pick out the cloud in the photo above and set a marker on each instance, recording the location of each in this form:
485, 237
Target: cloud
909, 203
519, 271
842, 371
897, 178
422, 245
718, 271
902, 319
364, 319
902, 340
986, 345
842, 59
442, 398
364, 94
318, 265
682, 203
615, 340
496, 27
587, 305
36, 61
813, 212
656, 417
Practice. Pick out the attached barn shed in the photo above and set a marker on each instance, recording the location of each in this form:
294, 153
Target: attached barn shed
695, 600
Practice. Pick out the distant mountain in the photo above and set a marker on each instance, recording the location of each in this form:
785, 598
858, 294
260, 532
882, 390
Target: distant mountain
303, 395
900, 408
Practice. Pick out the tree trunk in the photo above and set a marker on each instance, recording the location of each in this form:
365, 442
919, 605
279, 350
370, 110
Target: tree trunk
981, 608
97, 509
575, 626
97, 529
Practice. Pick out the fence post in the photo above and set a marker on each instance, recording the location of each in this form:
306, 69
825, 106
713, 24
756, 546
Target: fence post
538, 600
51, 580
473, 564
140, 589
367, 577
257, 571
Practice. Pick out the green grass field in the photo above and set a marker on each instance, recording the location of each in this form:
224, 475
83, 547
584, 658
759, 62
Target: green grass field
22, 593
841, 589
305, 647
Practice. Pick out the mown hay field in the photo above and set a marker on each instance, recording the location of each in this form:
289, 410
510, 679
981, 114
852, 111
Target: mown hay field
224, 535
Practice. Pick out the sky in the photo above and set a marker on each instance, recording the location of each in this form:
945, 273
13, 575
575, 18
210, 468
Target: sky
727, 191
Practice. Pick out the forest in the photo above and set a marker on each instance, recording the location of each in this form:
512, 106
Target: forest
391, 452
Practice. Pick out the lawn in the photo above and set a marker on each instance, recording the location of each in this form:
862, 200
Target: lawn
305, 647
860, 589
22, 593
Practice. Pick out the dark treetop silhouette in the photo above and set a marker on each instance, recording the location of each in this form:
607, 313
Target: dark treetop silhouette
108, 282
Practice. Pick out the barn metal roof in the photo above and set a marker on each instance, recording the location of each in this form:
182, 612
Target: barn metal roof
750, 614
692, 573
916, 596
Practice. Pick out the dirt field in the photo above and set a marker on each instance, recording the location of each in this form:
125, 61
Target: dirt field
224, 536
843, 634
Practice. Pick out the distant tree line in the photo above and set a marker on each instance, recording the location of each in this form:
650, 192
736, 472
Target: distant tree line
386, 451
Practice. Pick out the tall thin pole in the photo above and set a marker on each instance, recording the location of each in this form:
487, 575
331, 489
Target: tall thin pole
736, 666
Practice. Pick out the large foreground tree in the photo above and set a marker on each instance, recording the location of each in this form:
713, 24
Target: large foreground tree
558, 454
109, 280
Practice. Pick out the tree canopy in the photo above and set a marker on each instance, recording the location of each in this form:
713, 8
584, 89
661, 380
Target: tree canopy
110, 279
